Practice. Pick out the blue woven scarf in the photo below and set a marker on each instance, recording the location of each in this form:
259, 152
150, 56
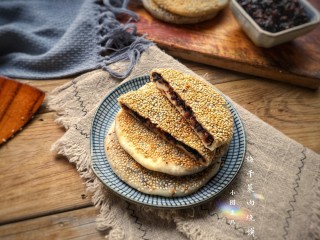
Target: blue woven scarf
58, 38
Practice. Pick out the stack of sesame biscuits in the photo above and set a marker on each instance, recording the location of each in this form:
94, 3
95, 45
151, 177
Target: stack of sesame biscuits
159, 149
184, 11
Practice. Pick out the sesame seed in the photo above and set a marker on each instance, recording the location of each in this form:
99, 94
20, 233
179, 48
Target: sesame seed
169, 158
149, 103
208, 105
151, 182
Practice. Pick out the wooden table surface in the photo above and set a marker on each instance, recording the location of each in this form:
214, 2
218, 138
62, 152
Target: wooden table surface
42, 194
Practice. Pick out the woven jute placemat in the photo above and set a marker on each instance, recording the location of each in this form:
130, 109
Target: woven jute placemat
275, 195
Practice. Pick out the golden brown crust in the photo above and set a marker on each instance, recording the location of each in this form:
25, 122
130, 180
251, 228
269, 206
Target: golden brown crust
166, 16
150, 182
151, 151
191, 8
149, 103
208, 105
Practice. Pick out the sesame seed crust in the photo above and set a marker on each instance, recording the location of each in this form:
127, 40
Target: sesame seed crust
150, 150
166, 16
193, 8
151, 182
149, 103
208, 105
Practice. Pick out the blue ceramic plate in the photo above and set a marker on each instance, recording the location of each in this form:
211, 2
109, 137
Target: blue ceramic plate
102, 121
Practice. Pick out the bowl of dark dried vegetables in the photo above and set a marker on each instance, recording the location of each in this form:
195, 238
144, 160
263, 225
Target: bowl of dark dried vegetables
271, 22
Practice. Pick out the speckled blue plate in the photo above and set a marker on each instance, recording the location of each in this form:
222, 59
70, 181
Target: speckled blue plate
102, 121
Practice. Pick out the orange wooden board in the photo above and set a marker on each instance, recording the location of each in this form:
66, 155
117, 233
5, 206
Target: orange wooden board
221, 42
18, 103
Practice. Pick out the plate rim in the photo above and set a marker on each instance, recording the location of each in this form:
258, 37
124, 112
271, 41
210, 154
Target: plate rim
153, 205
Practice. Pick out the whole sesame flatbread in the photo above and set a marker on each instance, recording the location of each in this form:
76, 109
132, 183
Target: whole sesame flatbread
169, 17
151, 182
203, 107
150, 150
192, 8
149, 104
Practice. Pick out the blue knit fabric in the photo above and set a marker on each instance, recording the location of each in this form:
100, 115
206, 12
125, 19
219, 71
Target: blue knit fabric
42, 39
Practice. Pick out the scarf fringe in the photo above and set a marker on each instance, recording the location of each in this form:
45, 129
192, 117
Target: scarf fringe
118, 42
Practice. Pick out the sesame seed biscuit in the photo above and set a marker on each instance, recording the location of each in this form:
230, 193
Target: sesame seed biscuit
149, 103
222, 150
169, 17
203, 107
150, 182
150, 150
192, 8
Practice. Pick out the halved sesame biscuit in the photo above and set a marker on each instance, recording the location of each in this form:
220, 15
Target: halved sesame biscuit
149, 106
150, 150
192, 8
151, 182
204, 108
222, 150
169, 17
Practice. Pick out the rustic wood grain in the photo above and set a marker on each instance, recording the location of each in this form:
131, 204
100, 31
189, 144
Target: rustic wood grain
78, 224
46, 86
18, 103
221, 42
43, 194
294, 111
34, 180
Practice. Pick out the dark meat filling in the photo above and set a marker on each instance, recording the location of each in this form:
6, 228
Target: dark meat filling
188, 113
163, 134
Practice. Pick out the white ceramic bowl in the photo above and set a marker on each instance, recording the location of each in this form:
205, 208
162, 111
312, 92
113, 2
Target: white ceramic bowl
267, 39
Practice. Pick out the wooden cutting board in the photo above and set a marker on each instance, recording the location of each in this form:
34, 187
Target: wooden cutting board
18, 103
221, 42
